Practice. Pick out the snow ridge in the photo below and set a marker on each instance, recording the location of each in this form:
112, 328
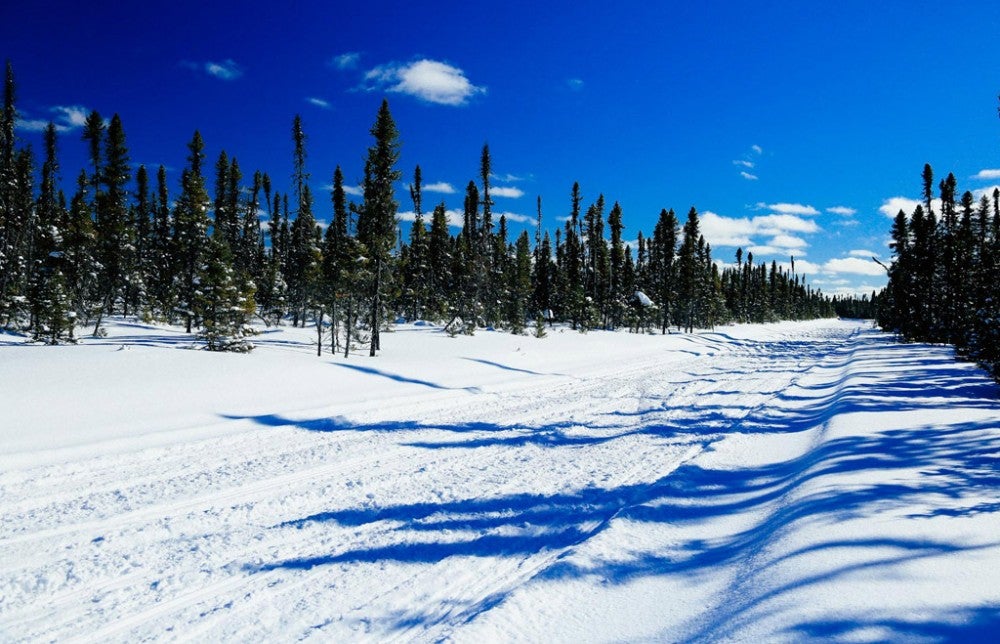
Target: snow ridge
784, 482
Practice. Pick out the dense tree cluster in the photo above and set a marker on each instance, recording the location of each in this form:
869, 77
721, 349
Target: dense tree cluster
943, 283
122, 245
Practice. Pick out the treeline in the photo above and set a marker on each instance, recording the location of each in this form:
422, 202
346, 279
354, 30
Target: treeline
123, 244
944, 281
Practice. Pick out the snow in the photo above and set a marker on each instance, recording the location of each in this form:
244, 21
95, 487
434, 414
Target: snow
781, 482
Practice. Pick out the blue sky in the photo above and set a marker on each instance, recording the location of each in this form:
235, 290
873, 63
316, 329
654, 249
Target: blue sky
794, 127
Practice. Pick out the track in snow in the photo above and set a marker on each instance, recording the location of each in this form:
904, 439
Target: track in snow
450, 515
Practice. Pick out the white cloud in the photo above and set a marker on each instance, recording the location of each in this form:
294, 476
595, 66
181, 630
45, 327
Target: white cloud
348, 60
507, 191
429, 80
441, 186
987, 175
748, 176
506, 178
319, 102
778, 224
32, 125
788, 242
575, 84
68, 117
744, 163
226, 70
767, 250
891, 206
739, 231
456, 218
757, 149
72, 116
854, 266
513, 216
788, 208
842, 210
988, 191
354, 191
863, 254
802, 267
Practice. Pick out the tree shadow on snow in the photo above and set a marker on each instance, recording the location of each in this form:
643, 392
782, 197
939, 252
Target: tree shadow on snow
950, 469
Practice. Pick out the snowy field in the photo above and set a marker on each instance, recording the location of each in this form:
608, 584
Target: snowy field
784, 482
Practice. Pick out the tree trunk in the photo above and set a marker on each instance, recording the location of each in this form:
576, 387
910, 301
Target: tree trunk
319, 333
347, 328
376, 305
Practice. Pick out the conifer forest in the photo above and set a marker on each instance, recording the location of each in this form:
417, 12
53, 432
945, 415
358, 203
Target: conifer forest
219, 248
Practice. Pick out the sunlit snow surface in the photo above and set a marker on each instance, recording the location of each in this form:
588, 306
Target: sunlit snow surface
784, 482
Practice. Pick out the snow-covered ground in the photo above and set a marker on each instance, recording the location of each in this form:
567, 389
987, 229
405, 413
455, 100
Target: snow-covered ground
787, 482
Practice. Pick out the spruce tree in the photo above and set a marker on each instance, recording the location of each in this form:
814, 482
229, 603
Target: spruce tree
190, 230
377, 215
115, 239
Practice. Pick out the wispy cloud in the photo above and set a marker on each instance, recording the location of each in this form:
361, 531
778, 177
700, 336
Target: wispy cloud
788, 241
747, 161
66, 118
428, 80
507, 191
854, 266
348, 60
987, 175
723, 231
441, 186
455, 218
844, 211
354, 191
891, 206
575, 84
319, 102
228, 69
513, 216
506, 178
863, 254
788, 208
988, 190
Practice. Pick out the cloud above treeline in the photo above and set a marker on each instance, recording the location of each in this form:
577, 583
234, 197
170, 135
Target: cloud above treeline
65, 117
227, 69
428, 80
347, 60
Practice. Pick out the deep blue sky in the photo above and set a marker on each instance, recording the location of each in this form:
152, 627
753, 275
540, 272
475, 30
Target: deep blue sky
764, 116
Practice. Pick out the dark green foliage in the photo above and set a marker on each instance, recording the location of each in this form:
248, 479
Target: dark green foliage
132, 248
377, 214
943, 283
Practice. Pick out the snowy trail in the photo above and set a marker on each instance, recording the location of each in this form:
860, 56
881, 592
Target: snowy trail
678, 488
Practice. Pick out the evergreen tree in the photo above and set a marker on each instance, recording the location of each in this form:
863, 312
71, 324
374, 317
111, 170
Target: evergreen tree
617, 295
377, 216
78, 244
190, 230
689, 273
48, 293
221, 301
11, 219
115, 240
661, 263
439, 262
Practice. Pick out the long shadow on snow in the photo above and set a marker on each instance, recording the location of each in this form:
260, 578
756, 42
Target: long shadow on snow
957, 466
965, 625
400, 378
